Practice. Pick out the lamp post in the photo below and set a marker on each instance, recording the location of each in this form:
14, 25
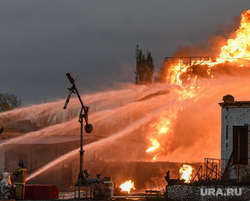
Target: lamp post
88, 127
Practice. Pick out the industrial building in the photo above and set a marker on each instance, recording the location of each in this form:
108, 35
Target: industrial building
235, 138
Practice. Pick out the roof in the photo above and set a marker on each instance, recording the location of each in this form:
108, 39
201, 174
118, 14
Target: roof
235, 104
230, 103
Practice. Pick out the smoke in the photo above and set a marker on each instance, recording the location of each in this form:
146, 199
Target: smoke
212, 47
205, 60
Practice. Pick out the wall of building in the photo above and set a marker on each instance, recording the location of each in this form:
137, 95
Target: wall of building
35, 155
230, 117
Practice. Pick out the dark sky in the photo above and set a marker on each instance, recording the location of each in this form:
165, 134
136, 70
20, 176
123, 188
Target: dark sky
42, 40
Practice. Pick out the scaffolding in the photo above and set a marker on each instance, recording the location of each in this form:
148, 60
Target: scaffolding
186, 60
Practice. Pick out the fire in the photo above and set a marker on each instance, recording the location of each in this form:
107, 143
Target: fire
174, 73
186, 173
159, 131
240, 46
191, 91
127, 186
236, 48
155, 145
183, 69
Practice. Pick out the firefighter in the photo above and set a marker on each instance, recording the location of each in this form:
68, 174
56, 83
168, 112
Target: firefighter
20, 178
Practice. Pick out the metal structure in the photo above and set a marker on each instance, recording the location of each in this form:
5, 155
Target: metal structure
88, 128
216, 169
212, 168
195, 66
97, 187
186, 60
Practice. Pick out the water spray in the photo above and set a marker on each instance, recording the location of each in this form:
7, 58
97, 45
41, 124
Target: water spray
88, 127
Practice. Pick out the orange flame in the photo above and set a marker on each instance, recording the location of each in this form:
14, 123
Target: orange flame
127, 186
155, 145
186, 173
240, 46
235, 49
179, 70
159, 131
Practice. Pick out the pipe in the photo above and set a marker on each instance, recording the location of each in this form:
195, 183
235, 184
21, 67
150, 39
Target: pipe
112, 187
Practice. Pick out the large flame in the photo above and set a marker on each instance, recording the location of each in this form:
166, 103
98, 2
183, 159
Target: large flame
236, 48
186, 173
127, 186
159, 132
240, 46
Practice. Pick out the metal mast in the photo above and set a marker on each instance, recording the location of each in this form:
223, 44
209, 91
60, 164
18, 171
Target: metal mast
88, 127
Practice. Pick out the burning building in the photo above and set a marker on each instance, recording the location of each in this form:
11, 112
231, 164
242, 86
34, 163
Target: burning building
233, 59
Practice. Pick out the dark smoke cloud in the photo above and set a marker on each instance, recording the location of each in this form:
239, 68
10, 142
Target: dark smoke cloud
211, 47
43, 40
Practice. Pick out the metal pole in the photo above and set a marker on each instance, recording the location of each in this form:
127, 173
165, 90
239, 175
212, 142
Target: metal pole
80, 176
88, 128
81, 145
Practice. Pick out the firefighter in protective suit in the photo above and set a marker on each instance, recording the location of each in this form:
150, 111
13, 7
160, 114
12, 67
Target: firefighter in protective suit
20, 178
